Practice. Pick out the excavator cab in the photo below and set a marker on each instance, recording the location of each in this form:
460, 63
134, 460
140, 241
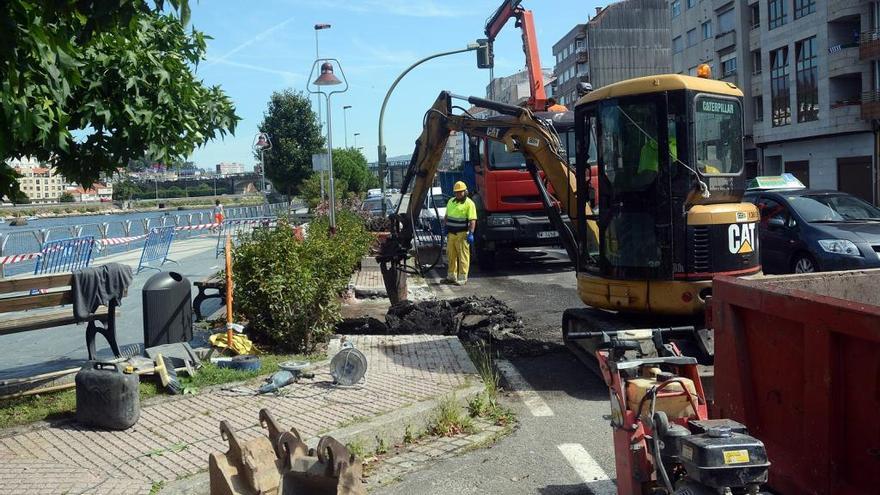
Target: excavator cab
669, 151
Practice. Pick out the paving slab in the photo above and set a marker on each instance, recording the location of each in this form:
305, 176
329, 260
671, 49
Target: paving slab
173, 438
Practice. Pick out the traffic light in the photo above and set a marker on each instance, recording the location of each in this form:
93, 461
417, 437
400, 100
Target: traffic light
485, 56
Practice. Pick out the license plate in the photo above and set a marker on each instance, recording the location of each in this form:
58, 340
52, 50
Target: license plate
548, 234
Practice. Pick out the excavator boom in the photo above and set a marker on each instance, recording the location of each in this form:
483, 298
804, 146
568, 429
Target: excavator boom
520, 130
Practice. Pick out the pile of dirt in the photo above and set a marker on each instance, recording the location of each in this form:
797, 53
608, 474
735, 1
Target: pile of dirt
472, 319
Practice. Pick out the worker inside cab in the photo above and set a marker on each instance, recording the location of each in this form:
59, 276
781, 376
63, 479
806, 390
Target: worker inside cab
460, 222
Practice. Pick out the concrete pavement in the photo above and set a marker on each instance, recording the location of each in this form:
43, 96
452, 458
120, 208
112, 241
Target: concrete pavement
174, 437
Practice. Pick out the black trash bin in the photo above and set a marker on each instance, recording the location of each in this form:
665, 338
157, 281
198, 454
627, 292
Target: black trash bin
167, 309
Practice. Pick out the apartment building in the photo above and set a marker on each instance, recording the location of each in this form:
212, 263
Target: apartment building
37, 180
514, 89
624, 40
809, 73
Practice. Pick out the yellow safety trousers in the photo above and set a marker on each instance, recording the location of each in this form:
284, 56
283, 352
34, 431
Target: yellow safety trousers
459, 252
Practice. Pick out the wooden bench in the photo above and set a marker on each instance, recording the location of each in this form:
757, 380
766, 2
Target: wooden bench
16, 297
216, 282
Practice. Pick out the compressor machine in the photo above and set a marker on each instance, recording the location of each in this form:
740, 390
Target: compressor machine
664, 443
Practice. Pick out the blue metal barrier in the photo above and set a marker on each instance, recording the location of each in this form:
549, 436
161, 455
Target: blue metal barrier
65, 255
156, 247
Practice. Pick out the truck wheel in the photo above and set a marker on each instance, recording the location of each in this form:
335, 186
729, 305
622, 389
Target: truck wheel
485, 257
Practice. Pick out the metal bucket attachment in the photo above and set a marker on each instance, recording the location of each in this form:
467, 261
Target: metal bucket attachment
334, 471
281, 463
246, 469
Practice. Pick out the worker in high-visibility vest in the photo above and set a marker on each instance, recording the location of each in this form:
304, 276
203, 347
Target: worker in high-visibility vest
460, 222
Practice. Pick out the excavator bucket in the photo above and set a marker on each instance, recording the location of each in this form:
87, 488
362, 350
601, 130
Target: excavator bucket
281, 464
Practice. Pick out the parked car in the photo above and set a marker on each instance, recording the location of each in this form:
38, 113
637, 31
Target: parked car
804, 230
374, 205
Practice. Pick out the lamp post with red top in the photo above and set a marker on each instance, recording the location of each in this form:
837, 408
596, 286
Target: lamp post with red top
328, 78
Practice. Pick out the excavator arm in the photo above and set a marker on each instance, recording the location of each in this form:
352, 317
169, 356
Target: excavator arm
519, 130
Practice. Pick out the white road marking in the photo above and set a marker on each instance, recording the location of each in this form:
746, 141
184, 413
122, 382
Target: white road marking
521, 387
586, 467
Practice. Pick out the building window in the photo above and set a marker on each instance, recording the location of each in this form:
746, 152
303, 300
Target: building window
676, 8
728, 64
692, 37
707, 30
692, 71
726, 22
804, 7
756, 62
777, 13
580, 44
779, 91
807, 86
691, 3
755, 14
759, 108
677, 44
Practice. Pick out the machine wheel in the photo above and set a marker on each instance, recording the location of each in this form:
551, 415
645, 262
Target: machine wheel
485, 257
804, 263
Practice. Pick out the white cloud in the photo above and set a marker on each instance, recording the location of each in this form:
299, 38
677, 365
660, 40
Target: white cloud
262, 35
288, 77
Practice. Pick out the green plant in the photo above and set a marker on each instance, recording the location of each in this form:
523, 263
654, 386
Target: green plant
288, 289
66, 197
357, 447
408, 435
482, 358
381, 445
484, 405
448, 419
156, 487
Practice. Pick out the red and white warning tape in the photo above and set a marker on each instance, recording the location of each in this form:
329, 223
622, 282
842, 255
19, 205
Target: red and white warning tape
115, 241
18, 258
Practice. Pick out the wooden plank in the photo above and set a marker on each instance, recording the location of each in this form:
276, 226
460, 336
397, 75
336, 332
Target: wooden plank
48, 320
36, 301
42, 282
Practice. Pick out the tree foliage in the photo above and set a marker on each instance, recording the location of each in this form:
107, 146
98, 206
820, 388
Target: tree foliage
66, 197
296, 135
350, 165
88, 86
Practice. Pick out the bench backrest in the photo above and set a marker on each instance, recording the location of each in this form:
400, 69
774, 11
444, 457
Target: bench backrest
65, 255
35, 301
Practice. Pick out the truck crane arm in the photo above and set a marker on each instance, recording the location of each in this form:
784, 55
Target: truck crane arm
511, 9
519, 130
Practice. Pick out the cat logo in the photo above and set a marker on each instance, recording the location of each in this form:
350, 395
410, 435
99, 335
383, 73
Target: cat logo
741, 238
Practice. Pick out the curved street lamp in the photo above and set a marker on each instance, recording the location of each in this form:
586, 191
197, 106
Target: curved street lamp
328, 78
262, 142
383, 160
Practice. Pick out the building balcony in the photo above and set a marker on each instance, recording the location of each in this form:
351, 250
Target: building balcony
840, 9
871, 105
755, 39
869, 45
725, 40
583, 57
844, 59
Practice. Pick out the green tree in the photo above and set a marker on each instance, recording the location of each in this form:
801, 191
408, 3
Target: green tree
295, 134
66, 197
125, 190
116, 73
350, 165
310, 190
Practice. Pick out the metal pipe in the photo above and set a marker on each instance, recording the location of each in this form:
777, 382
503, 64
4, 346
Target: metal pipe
383, 160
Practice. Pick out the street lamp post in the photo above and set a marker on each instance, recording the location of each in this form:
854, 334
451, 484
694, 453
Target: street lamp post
262, 142
328, 78
383, 160
345, 123
319, 27
356, 139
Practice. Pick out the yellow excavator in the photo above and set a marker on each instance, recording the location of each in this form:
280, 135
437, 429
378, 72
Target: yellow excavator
651, 218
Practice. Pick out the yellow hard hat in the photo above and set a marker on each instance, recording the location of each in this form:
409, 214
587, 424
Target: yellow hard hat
459, 186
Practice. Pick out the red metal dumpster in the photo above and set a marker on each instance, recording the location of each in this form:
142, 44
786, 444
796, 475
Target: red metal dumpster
797, 359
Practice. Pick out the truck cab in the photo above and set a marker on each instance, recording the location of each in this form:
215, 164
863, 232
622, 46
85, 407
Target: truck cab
509, 209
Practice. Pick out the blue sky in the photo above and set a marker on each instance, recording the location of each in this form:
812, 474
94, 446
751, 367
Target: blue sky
266, 46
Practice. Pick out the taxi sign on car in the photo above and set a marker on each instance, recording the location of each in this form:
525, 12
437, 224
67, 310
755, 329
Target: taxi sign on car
784, 181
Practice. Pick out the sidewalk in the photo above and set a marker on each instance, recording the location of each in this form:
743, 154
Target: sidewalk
367, 282
173, 438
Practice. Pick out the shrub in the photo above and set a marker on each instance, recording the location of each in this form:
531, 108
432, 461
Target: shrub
287, 289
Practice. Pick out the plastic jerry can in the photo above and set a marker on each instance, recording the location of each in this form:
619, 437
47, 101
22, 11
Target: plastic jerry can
673, 399
106, 396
